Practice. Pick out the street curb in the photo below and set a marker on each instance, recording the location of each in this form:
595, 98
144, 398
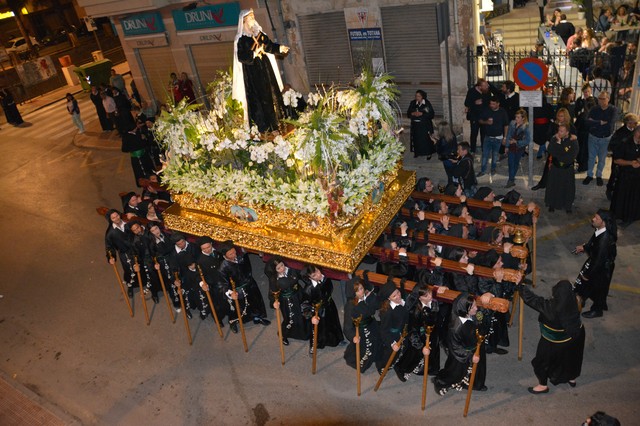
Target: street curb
55, 410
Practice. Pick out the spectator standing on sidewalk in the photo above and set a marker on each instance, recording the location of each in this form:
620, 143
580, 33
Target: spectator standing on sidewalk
10, 108
96, 98
518, 138
601, 120
116, 80
110, 108
495, 122
74, 111
475, 103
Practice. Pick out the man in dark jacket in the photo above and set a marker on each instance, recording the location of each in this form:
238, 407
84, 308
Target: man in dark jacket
595, 277
565, 29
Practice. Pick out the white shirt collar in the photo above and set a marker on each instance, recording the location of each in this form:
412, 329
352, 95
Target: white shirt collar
464, 319
393, 305
601, 230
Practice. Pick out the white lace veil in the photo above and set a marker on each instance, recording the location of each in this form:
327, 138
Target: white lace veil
238, 91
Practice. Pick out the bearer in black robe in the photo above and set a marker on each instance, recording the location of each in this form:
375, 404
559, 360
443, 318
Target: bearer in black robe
291, 299
161, 248
238, 269
424, 312
209, 260
393, 318
362, 304
319, 290
141, 247
117, 241
105, 122
189, 284
461, 345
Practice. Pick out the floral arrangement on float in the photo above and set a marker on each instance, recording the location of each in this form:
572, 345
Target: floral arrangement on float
326, 166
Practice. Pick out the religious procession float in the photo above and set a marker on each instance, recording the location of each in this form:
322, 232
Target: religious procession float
320, 190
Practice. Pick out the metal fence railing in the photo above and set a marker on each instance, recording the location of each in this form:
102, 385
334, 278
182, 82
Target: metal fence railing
571, 69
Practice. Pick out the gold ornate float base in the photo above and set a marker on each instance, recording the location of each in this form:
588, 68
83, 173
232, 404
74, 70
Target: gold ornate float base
340, 246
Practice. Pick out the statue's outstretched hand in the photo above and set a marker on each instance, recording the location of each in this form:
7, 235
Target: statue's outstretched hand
284, 49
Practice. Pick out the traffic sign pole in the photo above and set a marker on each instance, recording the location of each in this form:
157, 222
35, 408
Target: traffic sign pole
530, 74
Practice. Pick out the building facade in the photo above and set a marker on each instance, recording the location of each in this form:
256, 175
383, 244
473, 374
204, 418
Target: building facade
330, 41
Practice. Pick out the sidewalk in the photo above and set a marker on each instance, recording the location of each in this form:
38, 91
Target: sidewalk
54, 96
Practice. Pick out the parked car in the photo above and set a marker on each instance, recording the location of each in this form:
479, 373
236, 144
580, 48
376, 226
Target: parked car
19, 45
59, 36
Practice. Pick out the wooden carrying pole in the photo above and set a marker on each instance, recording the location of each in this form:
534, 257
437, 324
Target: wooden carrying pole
520, 328
213, 310
390, 360
124, 293
473, 372
239, 312
317, 307
144, 301
426, 368
184, 311
164, 291
276, 296
514, 304
356, 323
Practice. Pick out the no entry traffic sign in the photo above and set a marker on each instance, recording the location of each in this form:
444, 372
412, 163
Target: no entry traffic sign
530, 73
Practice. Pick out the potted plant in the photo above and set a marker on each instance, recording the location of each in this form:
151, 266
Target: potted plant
580, 4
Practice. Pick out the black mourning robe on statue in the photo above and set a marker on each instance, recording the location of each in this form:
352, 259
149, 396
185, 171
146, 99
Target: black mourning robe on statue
264, 99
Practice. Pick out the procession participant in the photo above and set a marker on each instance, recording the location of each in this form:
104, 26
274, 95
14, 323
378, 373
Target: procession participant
393, 318
256, 80
562, 117
561, 346
182, 252
130, 205
141, 247
117, 243
162, 248
319, 290
494, 325
461, 345
424, 315
362, 304
625, 202
561, 191
595, 276
149, 211
141, 163
620, 137
209, 260
238, 268
190, 285
286, 282
421, 114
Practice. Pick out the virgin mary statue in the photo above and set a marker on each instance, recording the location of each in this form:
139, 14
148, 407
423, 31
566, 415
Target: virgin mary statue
256, 79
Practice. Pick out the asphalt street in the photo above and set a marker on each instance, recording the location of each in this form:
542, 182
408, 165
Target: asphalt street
67, 340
